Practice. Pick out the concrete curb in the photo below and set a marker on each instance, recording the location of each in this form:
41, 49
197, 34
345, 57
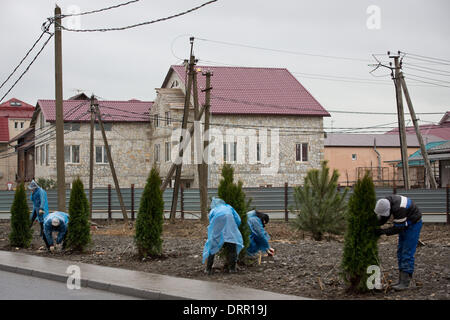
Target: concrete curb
132, 283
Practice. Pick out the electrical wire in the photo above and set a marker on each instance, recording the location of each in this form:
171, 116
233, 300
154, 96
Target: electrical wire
98, 10
139, 24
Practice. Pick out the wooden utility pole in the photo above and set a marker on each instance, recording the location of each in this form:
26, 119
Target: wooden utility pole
401, 122
423, 150
111, 165
204, 165
187, 101
60, 174
94, 103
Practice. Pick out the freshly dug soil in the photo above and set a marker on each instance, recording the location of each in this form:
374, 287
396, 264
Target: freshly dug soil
301, 266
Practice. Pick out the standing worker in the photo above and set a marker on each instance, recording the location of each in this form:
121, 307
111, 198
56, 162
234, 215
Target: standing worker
259, 238
223, 230
55, 222
40, 205
407, 224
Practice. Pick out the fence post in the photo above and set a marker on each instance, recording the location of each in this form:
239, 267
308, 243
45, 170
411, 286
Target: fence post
447, 189
109, 203
286, 213
182, 201
132, 201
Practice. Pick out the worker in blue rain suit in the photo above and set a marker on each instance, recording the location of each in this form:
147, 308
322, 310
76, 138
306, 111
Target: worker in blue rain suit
259, 238
56, 222
40, 205
223, 230
407, 224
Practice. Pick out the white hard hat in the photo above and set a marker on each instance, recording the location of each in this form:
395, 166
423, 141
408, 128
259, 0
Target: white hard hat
383, 208
55, 222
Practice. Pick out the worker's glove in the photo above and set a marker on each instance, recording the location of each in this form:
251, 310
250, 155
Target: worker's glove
271, 252
58, 247
41, 212
52, 248
379, 232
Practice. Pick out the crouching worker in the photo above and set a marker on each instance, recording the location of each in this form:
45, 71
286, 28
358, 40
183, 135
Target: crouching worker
223, 230
407, 224
40, 205
259, 238
56, 222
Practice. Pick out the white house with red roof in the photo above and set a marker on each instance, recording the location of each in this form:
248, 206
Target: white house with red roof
263, 122
15, 117
127, 130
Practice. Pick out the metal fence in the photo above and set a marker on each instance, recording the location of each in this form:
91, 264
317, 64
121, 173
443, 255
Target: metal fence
277, 202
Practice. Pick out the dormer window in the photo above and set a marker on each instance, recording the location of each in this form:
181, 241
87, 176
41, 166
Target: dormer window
15, 104
174, 84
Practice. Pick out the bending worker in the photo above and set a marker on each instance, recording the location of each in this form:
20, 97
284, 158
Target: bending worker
407, 224
259, 238
40, 205
56, 222
223, 230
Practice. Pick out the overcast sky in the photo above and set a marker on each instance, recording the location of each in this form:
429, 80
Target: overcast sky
129, 64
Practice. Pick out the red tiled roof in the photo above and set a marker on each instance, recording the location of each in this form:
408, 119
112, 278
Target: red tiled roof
368, 140
15, 108
242, 90
118, 111
4, 129
441, 130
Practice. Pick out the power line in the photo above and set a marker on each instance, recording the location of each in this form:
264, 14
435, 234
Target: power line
28, 67
426, 57
142, 23
422, 77
99, 10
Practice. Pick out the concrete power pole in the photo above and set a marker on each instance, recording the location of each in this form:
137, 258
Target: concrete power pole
60, 174
94, 102
401, 122
423, 150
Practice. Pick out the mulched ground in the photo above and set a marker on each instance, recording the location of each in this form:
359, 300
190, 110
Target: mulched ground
301, 266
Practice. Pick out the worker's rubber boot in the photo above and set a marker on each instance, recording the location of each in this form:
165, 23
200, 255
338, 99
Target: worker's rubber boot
209, 264
405, 279
42, 229
232, 258
398, 281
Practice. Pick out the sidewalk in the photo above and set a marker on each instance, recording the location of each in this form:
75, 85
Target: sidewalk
132, 283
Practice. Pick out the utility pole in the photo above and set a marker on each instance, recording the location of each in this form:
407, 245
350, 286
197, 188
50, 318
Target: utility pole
60, 174
401, 121
111, 165
204, 165
94, 103
187, 101
429, 172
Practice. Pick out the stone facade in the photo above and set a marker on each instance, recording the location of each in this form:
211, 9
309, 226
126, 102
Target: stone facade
130, 148
246, 131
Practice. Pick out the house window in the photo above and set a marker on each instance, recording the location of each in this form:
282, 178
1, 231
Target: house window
354, 157
72, 154
229, 152
100, 154
42, 155
21, 125
37, 155
41, 121
157, 152
16, 125
168, 120
301, 152
168, 151
47, 147
107, 126
72, 126
156, 120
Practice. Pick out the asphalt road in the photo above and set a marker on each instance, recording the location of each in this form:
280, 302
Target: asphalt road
15, 286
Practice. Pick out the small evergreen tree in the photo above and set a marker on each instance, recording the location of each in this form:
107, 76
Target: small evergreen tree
21, 234
233, 195
78, 233
319, 206
150, 218
360, 247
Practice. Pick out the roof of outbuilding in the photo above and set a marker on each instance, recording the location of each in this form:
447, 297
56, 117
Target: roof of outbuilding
244, 90
112, 111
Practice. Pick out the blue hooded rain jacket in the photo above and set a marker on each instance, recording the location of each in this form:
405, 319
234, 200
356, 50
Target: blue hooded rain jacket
259, 238
223, 227
39, 199
61, 229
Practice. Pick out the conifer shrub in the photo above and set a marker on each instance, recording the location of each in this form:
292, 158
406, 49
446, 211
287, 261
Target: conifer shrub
78, 234
150, 218
360, 246
233, 194
20, 234
319, 206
